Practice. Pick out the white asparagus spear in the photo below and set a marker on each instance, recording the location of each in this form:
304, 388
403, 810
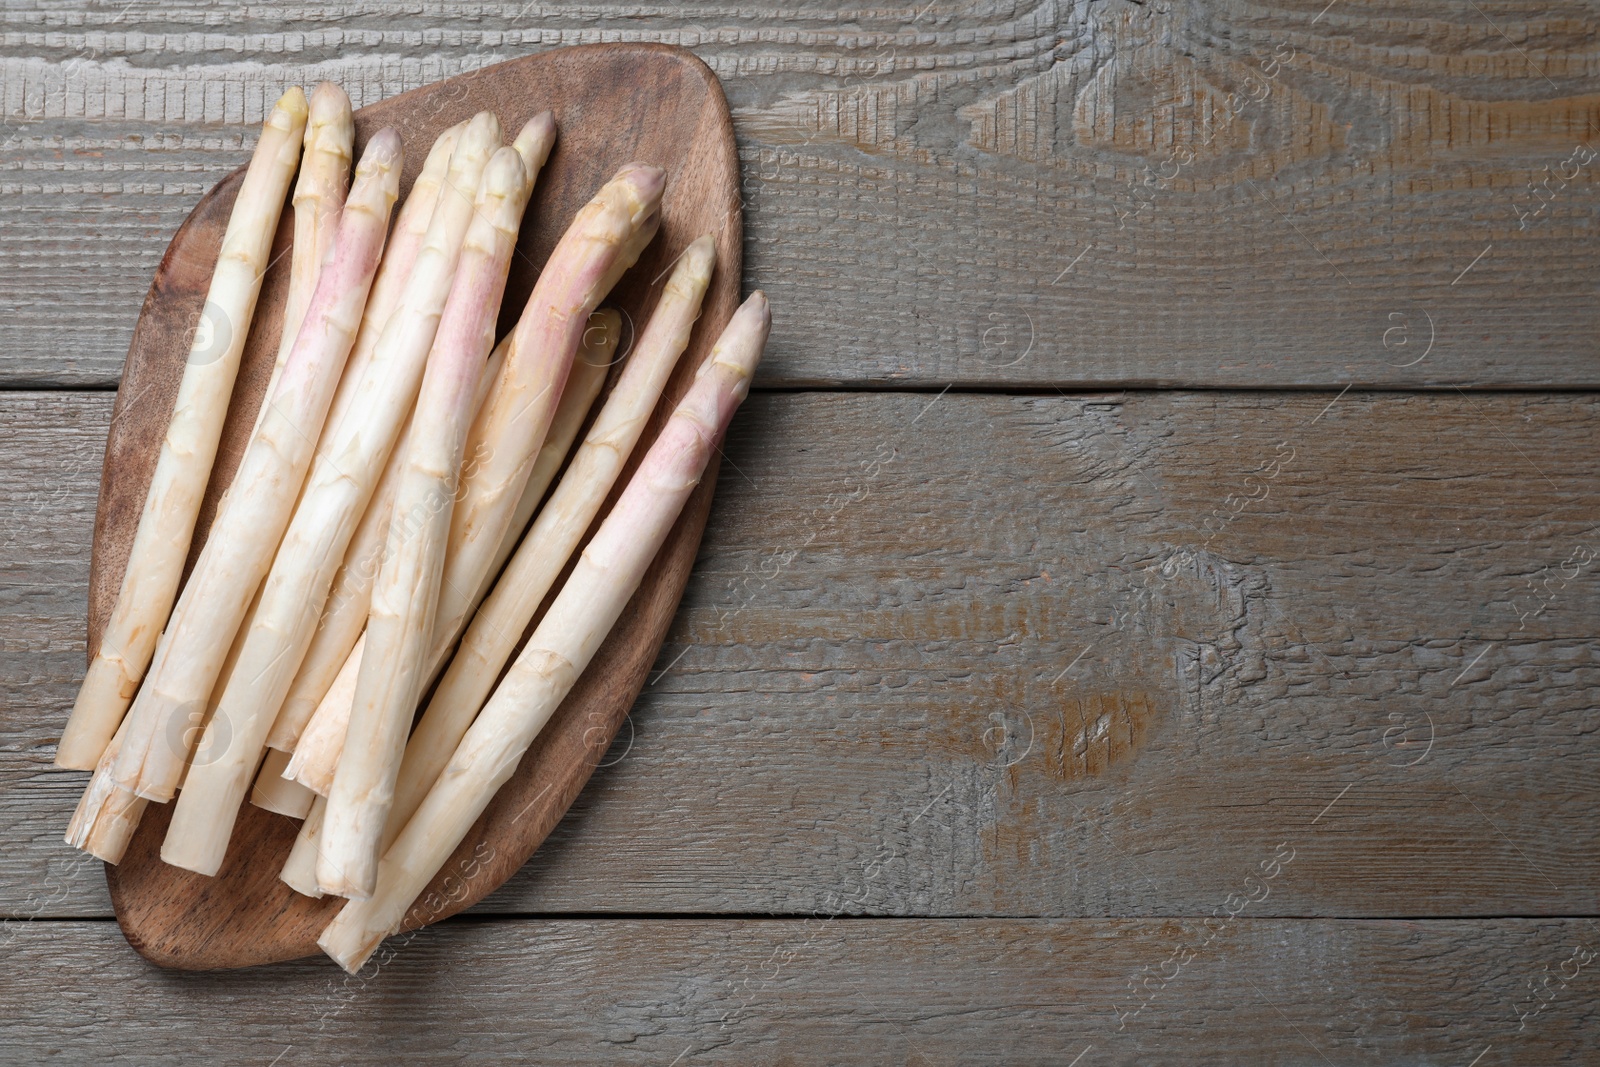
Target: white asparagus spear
500, 623
155, 562
106, 816
276, 793
257, 507
394, 272
407, 590
604, 240
341, 479
333, 653
300, 869
319, 195
316, 756
346, 609
533, 143
583, 385
604, 580
104, 804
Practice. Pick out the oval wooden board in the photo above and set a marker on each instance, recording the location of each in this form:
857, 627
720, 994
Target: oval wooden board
613, 104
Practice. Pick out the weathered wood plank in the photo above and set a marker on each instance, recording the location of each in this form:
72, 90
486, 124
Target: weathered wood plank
1071, 193
52, 446
969, 654
686, 992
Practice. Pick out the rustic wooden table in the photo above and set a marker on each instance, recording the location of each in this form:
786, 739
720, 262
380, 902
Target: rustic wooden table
1148, 615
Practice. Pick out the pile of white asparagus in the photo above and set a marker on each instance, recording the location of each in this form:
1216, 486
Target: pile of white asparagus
392, 522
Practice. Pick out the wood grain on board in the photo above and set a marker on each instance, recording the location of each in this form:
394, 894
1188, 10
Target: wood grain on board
740, 991
975, 655
1079, 193
613, 104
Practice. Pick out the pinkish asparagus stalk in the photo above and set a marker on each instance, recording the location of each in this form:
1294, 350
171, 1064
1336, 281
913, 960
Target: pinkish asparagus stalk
500, 623
394, 273
407, 590
604, 240
318, 198
155, 562
336, 491
584, 383
604, 580
258, 505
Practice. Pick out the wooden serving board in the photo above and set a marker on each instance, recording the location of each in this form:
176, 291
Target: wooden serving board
613, 104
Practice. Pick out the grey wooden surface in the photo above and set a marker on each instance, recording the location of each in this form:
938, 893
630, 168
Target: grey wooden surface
743, 991
1259, 194
987, 635
981, 701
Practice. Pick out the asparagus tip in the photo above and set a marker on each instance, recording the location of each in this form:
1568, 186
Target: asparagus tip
647, 183
330, 129
534, 141
384, 148
487, 125
541, 127
758, 300
329, 101
701, 255
504, 175
439, 155
290, 110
